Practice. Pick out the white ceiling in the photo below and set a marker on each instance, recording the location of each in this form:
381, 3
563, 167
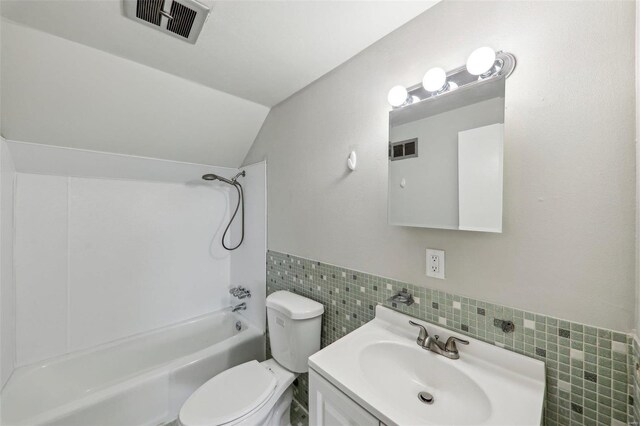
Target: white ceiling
263, 51
153, 95
61, 93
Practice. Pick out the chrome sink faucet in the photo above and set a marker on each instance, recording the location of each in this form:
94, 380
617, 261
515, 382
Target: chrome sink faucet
447, 349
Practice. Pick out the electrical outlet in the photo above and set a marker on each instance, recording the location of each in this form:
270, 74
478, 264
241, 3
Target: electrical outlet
435, 263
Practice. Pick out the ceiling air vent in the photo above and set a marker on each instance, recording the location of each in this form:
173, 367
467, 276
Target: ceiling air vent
182, 19
149, 10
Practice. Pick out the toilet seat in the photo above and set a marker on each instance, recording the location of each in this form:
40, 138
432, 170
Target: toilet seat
229, 396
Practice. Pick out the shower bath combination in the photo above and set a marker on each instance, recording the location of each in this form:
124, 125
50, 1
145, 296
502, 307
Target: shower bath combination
233, 182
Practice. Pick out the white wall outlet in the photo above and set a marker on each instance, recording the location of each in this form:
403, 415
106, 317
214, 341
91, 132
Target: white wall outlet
435, 263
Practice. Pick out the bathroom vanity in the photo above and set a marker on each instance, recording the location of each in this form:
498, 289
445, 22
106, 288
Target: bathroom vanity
383, 373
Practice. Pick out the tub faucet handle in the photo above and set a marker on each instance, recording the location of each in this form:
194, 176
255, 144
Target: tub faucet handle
240, 292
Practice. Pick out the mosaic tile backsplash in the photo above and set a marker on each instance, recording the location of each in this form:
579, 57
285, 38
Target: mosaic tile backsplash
635, 380
590, 371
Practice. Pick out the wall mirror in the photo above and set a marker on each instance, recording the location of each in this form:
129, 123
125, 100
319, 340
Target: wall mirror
446, 153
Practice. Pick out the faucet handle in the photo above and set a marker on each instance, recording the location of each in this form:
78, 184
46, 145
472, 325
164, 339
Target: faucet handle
240, 292
451, 343
422, 337
402, 297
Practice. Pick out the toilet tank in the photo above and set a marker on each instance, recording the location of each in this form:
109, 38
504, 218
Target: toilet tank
294, 329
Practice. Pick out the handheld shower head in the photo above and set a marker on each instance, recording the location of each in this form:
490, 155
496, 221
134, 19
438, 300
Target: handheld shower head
233, 182
211, 177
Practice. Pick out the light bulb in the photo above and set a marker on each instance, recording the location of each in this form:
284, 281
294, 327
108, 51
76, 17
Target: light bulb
481, 60
397, 96
453, 85
434, 80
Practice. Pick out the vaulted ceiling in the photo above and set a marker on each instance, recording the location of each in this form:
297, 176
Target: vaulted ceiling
259, 52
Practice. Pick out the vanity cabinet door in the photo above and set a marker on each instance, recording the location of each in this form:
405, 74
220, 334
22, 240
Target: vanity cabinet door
328, 406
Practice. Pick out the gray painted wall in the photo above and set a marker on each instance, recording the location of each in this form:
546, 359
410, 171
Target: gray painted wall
61, 93
568, 244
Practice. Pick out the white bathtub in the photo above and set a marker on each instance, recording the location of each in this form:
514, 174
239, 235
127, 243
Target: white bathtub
138, 381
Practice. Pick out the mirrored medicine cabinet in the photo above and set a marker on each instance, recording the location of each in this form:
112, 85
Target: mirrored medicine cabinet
446, 153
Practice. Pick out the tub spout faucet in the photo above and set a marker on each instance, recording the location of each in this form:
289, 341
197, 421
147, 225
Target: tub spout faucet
241, 307
240, 292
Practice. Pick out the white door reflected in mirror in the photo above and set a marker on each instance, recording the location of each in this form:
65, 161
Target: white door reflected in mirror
480, 153
451, 150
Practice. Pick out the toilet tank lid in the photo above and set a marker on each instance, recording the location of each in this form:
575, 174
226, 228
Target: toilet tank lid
293, 305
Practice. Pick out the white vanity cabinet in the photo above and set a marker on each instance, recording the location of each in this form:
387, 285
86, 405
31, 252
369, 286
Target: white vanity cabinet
379, 374
328, 406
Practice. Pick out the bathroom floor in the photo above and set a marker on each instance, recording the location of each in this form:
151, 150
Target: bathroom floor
299, 417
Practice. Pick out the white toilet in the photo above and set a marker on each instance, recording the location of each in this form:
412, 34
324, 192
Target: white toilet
259, 393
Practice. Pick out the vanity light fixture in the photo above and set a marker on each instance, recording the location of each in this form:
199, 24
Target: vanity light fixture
481, 61
483, 66
435, 80
398, 96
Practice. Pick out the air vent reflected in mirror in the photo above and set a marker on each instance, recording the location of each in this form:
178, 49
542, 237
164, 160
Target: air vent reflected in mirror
403, 149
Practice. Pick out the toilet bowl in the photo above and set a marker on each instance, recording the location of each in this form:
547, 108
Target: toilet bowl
260, 393
253, 393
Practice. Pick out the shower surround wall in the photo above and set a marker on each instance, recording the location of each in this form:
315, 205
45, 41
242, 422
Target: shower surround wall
132, 246
98, 259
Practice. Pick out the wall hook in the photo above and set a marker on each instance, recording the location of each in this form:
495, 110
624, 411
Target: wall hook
352, 160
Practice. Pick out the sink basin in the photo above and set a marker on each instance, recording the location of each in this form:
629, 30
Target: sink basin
381, 367
457, 398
